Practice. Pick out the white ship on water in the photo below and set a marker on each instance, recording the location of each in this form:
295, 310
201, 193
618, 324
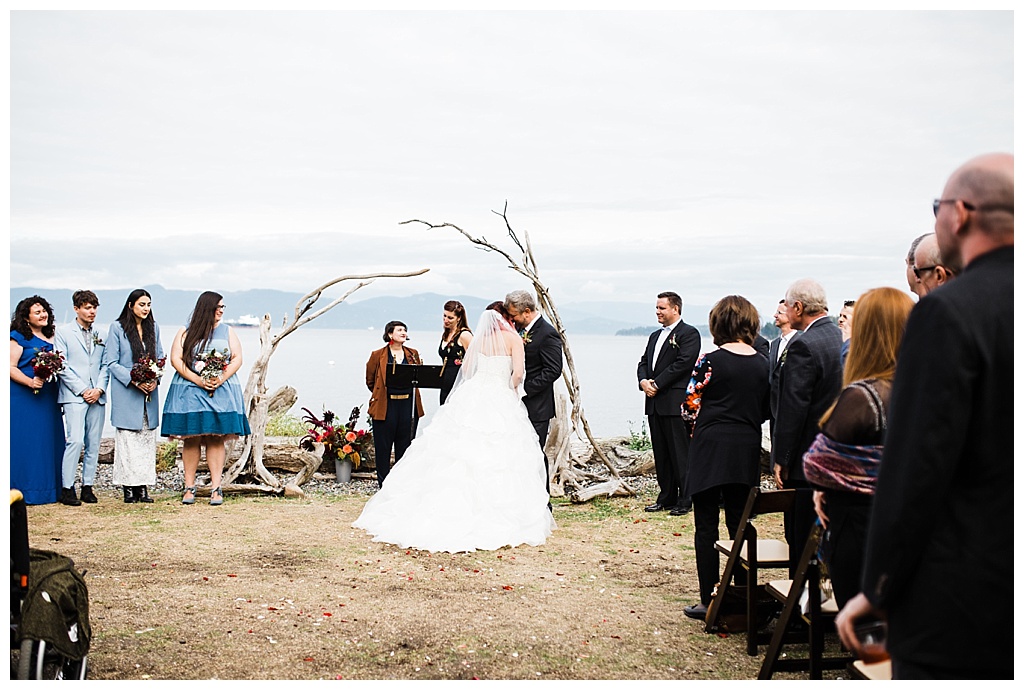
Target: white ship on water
244, 321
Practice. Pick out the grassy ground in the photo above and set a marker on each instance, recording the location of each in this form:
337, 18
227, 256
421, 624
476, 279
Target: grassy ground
285, 589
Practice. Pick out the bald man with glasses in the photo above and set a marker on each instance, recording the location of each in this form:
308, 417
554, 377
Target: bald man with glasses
928, 267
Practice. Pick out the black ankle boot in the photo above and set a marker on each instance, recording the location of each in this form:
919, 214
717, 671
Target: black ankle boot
142, 494
87, 495
68, 497
129, 494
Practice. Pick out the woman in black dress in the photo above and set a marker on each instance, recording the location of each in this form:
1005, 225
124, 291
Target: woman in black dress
727, 399
454, 341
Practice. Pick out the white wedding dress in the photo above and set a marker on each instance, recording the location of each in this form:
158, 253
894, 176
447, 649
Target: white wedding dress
474, 479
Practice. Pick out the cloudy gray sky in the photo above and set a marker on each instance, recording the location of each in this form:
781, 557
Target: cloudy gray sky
709, 153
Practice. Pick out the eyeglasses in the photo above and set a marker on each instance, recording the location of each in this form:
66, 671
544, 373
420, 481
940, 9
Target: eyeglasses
919, 271
939, 202
220, 307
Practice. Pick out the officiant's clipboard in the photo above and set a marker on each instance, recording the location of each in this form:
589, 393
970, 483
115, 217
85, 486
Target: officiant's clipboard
414, 375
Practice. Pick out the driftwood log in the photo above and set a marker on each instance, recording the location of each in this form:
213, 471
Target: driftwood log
565, 477
249, 473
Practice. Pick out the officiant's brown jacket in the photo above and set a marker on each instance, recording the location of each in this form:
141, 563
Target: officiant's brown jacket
376, 381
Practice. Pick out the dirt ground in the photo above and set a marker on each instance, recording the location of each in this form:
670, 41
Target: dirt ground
273, 588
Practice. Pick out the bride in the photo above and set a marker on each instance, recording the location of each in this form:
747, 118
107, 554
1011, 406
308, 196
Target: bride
475, 477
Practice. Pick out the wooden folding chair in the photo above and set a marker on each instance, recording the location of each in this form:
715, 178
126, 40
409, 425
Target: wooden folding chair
880, 670
748, 552
817, 617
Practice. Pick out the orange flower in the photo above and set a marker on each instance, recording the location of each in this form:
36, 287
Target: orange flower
346, 449
350, 436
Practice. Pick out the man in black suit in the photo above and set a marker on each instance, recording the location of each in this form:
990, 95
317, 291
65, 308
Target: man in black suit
939, 551
543, 350
776, 357
663, 372
809, 382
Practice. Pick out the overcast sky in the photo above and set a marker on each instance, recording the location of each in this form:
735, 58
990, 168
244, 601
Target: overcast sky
706, 153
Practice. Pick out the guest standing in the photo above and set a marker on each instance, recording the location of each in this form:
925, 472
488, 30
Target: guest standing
391, 407
134, 405
809, 383
37, 433
83, 382
454, 341
205, 411
662, 373
727, 401
842, 463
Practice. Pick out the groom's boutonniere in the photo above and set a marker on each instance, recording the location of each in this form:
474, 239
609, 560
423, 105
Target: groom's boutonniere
526, 337
672, 341
97, 340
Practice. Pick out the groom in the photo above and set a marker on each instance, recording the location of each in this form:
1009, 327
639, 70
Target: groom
543, 350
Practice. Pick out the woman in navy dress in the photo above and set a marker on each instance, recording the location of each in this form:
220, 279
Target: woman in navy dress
728, 399
205, 412
134, 405
37, 431
454, 341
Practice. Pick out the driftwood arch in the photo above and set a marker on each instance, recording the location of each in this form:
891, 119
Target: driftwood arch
567, 476
248, 473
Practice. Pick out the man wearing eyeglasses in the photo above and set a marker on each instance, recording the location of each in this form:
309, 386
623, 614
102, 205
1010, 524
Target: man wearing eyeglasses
928, 266
939, 553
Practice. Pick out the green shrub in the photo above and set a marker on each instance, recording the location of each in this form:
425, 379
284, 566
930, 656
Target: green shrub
284, 424
166, 456
639, 440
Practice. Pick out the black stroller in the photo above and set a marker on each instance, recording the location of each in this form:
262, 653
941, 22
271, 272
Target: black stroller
50, 629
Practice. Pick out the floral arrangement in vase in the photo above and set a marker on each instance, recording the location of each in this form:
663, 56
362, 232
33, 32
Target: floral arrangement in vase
341, 441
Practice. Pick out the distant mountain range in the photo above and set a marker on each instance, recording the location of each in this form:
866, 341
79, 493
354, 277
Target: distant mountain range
420, 311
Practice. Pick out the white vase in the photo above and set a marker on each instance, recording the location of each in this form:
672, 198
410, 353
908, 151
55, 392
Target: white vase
342, 471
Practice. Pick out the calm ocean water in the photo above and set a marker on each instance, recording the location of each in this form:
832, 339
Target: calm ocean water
328, 367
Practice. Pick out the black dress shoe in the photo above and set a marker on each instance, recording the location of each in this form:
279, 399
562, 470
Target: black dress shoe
88, 496
680, 510
696, 611
68, 497
655, 507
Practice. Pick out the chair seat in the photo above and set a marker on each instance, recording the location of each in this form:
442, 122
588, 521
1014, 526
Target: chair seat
881, 670
771, 553
780, 590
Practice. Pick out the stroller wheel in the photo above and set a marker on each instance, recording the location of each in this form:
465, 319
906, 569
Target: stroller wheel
37, 662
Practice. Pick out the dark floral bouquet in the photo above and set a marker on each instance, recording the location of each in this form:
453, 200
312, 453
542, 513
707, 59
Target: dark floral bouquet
148, 369
341, 441
46, 364
212, 365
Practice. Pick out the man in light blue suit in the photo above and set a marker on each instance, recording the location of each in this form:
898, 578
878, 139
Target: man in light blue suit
81, 395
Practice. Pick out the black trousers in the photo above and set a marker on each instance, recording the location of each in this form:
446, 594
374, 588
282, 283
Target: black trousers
844, 542
670, 441
798, 525
705, 533
542, 435
393, 432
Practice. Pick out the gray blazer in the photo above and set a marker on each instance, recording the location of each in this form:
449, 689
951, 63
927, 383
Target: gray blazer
82, 370
127, 401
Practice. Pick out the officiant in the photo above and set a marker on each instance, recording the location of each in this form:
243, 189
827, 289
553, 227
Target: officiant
393, 409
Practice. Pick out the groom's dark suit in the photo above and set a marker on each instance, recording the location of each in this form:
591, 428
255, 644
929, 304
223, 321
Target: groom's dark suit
543, 349
670, 439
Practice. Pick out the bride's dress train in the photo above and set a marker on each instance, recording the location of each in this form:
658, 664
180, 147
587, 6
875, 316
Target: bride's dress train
474, 479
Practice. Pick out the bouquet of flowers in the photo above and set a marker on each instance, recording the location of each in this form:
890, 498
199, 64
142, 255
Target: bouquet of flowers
211, 365
342, 441
46, 364
148, 369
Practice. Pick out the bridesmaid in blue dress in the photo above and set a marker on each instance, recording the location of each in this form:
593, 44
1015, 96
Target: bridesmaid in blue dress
37, 431
204, 411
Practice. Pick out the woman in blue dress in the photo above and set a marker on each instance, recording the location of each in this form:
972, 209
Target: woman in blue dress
205, 410
37, 431
134, 405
